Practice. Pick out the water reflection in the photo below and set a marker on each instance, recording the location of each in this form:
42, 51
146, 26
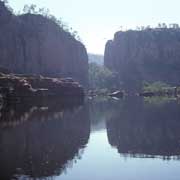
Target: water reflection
45, 141
38, 142
141, 129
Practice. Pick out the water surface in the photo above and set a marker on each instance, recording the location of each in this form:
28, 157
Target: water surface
103, 139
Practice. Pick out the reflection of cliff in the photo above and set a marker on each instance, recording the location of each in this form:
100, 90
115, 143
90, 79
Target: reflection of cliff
145, 130
100, 111
45, 144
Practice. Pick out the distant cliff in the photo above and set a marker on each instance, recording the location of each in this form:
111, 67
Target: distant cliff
96, 58
34, 44
146, 55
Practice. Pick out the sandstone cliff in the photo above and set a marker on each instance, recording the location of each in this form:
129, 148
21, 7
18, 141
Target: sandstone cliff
34, 44
147, 55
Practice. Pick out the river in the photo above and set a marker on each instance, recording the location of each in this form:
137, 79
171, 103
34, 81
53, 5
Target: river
102, 139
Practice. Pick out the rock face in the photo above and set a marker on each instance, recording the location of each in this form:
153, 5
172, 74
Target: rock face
147, 55
34, 44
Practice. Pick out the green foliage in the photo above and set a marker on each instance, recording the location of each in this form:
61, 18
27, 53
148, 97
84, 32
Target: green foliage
101, 78
159, 100
155, 86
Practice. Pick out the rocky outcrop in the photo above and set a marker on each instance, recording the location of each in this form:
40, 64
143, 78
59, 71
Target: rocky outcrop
147, 55
34, 44
16, 87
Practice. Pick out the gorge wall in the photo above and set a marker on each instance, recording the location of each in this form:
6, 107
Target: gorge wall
147, 55
34, 44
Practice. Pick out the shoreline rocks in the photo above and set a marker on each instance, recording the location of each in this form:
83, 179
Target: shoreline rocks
16, 87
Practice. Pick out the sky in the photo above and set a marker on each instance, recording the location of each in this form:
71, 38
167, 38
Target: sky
97, 20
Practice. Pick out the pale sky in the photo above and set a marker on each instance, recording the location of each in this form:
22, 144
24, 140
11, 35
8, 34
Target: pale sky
97, 20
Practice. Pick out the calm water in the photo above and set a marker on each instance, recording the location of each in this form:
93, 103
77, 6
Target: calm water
129, 139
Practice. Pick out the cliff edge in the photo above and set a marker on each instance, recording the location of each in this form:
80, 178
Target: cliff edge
144, 55
34, 44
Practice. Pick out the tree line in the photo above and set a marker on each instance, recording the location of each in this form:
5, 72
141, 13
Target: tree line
159, 26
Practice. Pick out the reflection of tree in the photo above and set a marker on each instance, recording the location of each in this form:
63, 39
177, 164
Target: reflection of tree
138, 129
49, 142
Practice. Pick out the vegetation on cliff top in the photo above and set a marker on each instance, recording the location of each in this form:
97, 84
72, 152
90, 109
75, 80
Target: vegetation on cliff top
45, 12
160, 26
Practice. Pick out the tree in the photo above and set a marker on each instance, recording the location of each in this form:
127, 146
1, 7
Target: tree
174, 26
30, 9
164, 25
4, 1
101, 77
